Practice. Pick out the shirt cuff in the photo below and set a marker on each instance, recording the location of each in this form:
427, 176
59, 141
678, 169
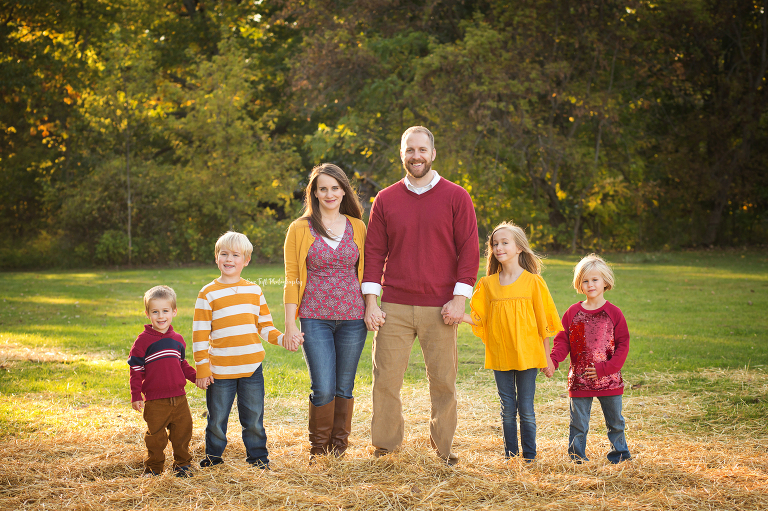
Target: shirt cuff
463, 289
370, 288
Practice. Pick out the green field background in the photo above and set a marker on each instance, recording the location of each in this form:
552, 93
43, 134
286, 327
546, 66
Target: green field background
685, 311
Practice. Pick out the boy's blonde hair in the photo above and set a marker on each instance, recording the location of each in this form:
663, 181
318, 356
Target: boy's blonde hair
590, 263
232, 240
160, 293
528, 259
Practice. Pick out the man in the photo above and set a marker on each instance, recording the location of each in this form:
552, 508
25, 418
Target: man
422, 250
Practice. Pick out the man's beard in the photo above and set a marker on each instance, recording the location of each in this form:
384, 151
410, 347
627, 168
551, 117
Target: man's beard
424, 170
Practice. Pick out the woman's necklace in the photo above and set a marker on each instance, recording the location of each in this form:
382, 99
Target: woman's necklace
329, 229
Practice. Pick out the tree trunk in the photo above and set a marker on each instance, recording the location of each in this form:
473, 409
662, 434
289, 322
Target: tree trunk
128, 168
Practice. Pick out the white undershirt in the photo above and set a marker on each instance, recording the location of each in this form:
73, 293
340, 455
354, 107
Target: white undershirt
332, 242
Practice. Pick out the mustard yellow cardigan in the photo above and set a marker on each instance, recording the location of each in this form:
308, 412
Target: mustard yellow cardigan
297, 243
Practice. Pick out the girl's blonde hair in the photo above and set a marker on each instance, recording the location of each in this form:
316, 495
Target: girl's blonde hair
528, 259
591, 263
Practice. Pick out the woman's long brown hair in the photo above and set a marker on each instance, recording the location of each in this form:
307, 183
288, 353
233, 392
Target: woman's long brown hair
350, 203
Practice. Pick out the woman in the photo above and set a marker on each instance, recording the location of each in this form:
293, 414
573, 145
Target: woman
323, 270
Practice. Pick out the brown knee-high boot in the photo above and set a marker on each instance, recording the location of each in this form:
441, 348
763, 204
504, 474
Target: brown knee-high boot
342, 425
320, 427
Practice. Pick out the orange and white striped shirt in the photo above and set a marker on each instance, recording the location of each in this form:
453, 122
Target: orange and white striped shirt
228, 321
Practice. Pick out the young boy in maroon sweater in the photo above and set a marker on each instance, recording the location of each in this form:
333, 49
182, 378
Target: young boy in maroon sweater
159, 371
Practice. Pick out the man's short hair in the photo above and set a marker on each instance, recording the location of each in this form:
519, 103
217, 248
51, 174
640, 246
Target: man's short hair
590, 263
160, 293
236, 241
417, 129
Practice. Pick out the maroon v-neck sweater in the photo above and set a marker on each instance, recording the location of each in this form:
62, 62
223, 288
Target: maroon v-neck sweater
420, 246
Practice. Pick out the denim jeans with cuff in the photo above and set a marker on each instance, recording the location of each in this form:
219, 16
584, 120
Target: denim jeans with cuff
219, 397
581, 408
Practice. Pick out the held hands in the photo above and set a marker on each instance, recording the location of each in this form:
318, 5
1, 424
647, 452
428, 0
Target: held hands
374, 316
138, 405
453, 311
549, 371
293, 338
202, 383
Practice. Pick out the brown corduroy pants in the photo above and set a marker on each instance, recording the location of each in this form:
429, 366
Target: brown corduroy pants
391, 349
168, 418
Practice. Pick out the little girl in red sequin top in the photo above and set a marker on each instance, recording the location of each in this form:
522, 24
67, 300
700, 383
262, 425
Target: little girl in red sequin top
597, 338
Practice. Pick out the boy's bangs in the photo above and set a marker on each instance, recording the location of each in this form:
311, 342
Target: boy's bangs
234, 241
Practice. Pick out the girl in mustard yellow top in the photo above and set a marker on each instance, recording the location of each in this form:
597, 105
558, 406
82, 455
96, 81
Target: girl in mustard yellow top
514, 314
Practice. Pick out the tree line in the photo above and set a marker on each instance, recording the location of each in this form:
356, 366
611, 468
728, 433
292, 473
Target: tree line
136, 131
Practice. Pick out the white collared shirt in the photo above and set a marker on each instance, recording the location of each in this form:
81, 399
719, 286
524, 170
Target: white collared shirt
373, 288
427, 187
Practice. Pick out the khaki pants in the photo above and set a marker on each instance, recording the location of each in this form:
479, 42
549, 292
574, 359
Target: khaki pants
391, 349
171, 414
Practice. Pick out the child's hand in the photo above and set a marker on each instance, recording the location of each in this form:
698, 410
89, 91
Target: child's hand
293, 342
549, 371
591, 373
138, 405
293, 337
202, 383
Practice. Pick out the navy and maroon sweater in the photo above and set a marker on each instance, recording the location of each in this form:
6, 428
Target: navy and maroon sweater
419, 246
598, 338
158, 366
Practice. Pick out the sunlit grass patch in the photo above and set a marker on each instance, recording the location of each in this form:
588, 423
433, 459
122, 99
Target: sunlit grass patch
732, 399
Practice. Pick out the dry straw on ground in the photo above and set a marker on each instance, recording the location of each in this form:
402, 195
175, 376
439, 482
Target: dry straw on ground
94, 458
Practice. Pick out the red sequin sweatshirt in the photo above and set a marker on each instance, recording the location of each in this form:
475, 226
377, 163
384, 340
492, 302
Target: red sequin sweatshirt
597, 337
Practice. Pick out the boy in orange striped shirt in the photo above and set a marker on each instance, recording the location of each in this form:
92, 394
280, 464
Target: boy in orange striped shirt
231, 318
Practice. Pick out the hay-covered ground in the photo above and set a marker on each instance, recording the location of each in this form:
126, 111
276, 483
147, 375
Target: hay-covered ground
684, 457
696, 403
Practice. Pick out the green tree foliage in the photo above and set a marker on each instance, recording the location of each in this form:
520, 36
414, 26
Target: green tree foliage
709, 115
140, 130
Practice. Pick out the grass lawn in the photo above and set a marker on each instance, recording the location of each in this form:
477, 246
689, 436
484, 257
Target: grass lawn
696, 375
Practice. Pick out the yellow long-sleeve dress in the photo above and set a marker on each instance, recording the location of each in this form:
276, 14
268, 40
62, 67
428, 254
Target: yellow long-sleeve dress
513, 321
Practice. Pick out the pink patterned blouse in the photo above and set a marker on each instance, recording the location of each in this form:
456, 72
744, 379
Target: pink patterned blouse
333, 290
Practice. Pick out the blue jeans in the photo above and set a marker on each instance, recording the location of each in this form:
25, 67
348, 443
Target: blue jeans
516, 391
250, 405
332, 350
581, 408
